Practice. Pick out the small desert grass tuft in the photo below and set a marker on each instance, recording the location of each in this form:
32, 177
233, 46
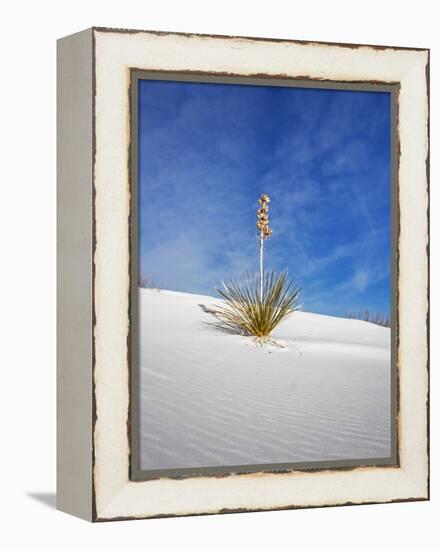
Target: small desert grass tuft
248, 312
370, 317
150, 284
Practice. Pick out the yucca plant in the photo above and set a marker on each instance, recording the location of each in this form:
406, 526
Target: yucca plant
246, 312
257, 304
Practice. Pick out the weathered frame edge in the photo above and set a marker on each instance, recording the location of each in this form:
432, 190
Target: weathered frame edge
74, 275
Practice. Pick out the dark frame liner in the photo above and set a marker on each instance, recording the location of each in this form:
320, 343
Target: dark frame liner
135, 473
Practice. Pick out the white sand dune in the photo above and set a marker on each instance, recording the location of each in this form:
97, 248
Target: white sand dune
210, 398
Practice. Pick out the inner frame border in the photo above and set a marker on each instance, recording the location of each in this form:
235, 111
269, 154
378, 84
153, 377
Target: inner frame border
135, 472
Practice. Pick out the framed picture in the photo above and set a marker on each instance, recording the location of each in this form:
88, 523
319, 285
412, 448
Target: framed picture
243, 274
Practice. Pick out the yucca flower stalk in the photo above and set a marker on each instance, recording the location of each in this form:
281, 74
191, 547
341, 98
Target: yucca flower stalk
264, 233
257, 304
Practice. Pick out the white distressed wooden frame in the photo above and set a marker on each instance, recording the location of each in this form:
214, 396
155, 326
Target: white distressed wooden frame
94, 280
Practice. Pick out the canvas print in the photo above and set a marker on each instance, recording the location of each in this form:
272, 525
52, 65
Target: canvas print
264, 260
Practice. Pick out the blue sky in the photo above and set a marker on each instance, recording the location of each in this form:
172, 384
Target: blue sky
208, 151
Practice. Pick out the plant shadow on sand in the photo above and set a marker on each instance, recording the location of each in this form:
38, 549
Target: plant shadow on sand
218, 324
